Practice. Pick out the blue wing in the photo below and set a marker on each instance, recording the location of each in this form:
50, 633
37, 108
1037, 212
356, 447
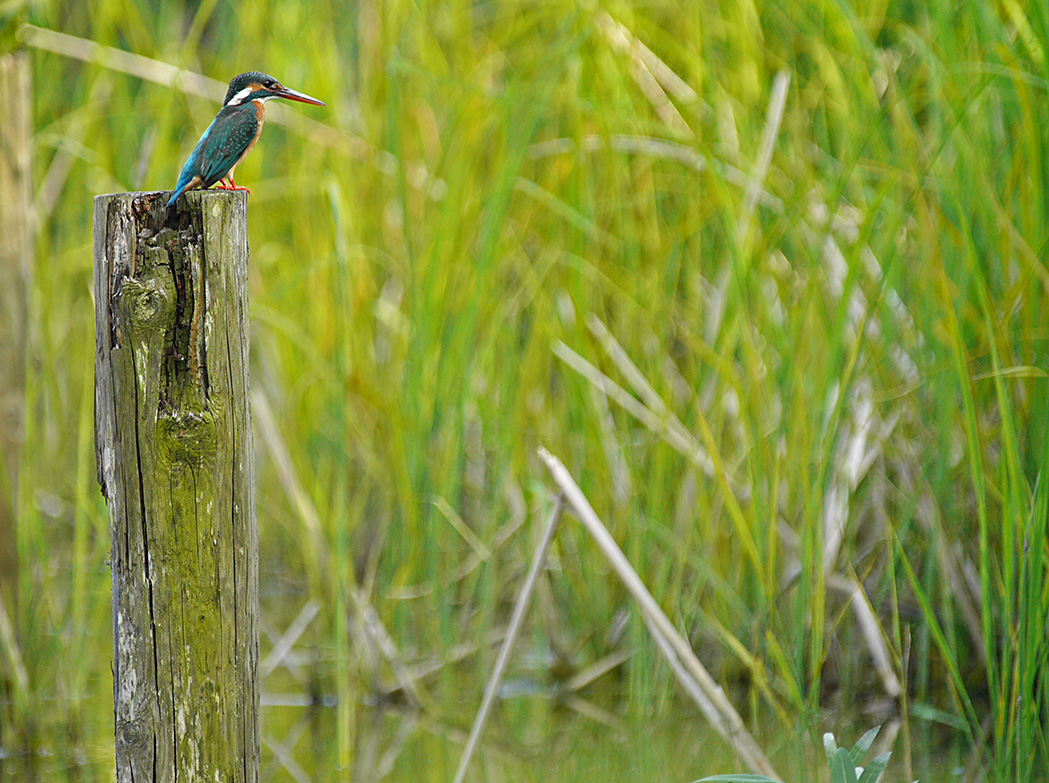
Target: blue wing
219, 149
191, 168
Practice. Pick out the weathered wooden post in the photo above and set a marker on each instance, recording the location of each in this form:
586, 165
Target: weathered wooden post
174, 453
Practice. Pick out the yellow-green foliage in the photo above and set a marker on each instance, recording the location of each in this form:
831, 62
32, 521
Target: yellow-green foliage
835, 302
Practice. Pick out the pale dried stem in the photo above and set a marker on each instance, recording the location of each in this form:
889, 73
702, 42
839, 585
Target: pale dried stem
283, 646
470, 564
375, 631
286, 758
669, 428
773, 121
596, 670
621, 38
13, 662
516, 621
713, 702
870, 628
650, 73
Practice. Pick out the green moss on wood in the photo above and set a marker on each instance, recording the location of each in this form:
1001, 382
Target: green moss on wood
175, 462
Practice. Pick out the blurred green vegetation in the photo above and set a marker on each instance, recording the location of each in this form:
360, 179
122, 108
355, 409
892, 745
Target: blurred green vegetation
782, 346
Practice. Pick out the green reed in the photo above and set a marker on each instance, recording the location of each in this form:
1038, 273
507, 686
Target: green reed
827, 311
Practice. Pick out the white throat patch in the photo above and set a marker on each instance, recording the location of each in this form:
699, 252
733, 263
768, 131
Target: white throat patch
239, 98
242, 96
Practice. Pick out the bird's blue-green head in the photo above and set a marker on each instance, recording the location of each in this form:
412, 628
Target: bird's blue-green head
258, 86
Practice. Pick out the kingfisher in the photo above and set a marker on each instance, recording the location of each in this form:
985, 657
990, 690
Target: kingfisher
233, 132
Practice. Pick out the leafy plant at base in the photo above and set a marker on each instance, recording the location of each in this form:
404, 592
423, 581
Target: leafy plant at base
844, 764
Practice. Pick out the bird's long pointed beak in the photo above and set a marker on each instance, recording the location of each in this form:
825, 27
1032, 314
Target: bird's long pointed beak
295, 95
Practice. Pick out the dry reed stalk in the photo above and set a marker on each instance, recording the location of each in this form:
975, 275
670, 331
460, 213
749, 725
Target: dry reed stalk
516, 621
691, 673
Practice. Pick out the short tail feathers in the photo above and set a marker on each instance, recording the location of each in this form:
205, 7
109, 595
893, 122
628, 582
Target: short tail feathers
174, 196
185, 182
189, 177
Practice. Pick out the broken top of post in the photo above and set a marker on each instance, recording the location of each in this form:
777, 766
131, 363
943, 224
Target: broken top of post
174, 455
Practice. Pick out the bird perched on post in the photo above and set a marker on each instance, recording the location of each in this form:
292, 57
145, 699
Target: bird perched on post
233, 132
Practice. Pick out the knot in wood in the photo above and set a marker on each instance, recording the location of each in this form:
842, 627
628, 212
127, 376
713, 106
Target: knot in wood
187, 437
148, 304
130, 736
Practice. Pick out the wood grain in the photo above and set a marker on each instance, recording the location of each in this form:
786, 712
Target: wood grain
174, 454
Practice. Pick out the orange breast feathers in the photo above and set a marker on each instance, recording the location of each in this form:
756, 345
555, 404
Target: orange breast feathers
260, 115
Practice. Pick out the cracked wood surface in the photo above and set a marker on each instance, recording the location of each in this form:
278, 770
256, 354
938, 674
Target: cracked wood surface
174, 455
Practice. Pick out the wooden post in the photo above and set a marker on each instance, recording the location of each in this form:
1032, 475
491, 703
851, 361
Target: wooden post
174, 454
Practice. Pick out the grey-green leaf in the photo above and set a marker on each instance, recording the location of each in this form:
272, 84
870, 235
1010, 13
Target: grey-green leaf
863, 744
874, 769
842, 770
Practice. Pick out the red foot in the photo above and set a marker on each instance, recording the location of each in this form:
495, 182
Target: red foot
231, 186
